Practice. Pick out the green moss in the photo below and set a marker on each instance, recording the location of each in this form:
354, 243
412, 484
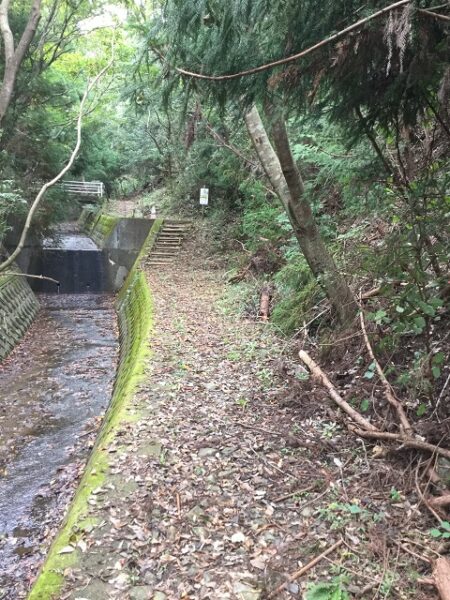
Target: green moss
135, 312
102, 228
86, 218
97, 224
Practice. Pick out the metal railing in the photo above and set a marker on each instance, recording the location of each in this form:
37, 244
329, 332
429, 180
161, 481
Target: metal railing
84, 188
81, 188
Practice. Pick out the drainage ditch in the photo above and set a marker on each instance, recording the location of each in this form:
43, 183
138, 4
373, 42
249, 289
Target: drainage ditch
52, 394
54, 390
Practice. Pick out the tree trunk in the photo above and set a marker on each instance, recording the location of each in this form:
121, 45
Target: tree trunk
13, 57
286, 180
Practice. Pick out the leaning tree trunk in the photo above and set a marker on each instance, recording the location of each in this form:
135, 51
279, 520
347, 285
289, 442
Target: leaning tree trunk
286, 180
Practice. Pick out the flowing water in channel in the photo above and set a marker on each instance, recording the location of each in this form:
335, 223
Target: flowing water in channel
53, 388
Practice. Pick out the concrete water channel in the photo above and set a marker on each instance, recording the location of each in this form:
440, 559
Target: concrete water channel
54, 389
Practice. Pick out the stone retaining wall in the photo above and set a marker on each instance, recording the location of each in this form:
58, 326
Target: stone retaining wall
18, 307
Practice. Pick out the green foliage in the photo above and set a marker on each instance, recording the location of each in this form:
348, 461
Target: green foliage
338, 515
297, 293
336, 177
443, 532
333, 590
12, 202
260, 223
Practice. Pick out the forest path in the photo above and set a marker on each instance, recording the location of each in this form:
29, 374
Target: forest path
229, 478
193, 508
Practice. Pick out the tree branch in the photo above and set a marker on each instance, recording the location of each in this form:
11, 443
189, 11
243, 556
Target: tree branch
434, 15
14, 57
8, 40
237, 152
61, 174
388, 392
28, 33
28, 276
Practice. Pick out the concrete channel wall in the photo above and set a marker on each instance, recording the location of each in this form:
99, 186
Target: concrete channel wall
135, 312
18, 307
120, 239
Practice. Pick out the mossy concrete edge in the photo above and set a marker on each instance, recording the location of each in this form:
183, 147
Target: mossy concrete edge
135, 313
98, 224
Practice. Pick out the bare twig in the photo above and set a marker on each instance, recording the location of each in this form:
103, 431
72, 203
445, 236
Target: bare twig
441, 395
388, 391
260, 429
404, 441
303, 570
429, 13
43, 277
297, 492
412, 553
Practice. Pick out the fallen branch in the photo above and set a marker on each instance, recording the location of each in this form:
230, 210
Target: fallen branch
241, 275
371, 293
441, 576
388, 391
426, 581
369, 430
404, 441
305, 569
323, 379
42, 277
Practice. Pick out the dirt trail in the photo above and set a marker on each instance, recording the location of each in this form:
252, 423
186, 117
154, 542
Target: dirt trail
215, 489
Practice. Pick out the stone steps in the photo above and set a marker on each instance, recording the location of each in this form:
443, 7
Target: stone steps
168, 243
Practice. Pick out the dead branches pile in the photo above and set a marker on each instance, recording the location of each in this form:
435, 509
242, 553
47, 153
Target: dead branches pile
405, 438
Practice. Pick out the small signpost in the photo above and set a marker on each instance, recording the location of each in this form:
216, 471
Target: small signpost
204, 196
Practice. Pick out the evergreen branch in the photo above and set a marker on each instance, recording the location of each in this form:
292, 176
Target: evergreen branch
299, 55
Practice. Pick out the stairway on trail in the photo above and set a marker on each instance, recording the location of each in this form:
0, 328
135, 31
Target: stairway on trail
168, 243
